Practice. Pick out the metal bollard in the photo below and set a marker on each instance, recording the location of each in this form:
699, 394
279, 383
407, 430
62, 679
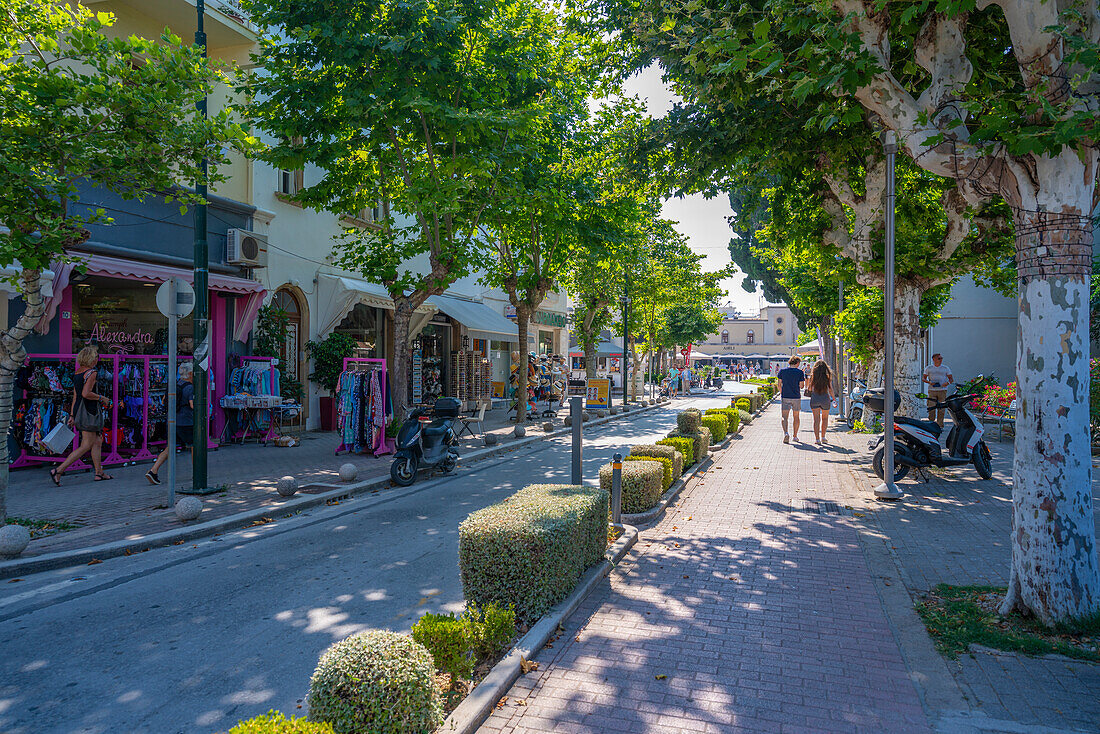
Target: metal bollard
617, 489
575, 411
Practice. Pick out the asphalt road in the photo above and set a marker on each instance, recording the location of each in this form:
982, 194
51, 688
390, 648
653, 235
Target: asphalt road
195, 637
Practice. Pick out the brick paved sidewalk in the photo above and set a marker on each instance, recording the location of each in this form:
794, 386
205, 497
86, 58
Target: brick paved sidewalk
128, 507
741, 611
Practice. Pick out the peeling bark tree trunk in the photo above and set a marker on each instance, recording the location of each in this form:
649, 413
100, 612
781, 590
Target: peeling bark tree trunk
402, 317
1054, 563
12, 356
589, 361
523, 320
828, 346
907, 374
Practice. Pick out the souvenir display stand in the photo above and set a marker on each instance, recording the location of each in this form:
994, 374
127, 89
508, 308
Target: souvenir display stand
135, 429
471, 377
253, 392
356, 416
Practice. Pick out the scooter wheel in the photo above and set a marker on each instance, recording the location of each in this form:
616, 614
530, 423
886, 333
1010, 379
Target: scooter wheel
983, 461
450, 464
879, 462
403, 471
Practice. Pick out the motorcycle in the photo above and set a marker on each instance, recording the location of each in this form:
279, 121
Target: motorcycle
917, 442
855, 403
426, 444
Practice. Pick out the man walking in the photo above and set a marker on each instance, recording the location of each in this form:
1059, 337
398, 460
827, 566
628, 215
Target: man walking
937, 376
791, 380
185, 420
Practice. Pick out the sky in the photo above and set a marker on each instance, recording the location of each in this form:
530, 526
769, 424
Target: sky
702, 221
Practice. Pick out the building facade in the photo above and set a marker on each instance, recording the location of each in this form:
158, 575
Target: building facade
773, 331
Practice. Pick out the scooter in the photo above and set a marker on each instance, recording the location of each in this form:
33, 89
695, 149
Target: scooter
917, 444
426, 445
855, 403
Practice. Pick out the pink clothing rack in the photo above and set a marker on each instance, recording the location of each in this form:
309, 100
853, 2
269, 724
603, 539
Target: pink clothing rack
385, 445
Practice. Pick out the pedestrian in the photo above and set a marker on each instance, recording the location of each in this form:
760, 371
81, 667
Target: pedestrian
674, 380
821, 399
86, 415
937, 376
185, 419
791, 380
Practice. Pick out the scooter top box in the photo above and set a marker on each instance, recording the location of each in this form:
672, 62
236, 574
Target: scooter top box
875, 400
447, 407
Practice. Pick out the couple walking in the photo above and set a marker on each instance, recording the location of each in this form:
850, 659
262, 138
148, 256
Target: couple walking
819, 391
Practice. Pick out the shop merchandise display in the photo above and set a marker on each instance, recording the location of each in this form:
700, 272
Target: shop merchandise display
253, 397
471, 376
47, 391
365, 406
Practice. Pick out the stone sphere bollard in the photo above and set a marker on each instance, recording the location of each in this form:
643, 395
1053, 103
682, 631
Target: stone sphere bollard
568, 421
13, 540
287, 486
548, 426
614, 410
601, 413
349, 472
585, 416
188, 508
626, 408
490, 439
519, 431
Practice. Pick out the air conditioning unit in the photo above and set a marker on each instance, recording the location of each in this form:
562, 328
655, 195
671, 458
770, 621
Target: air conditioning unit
246, 248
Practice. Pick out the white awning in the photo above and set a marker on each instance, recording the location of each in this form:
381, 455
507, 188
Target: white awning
14, 272
475, 316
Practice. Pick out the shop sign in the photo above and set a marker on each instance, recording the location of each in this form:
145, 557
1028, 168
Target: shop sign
119, 340
546, 318
597, 393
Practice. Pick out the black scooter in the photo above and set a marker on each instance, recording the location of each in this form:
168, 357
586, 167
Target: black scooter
423, 445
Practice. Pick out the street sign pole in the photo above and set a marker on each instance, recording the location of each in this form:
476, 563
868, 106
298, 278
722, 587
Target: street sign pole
888, 490
173, 318
202, 300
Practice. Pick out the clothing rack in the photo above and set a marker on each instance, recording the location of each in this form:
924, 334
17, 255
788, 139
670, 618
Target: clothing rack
252, 427
353, 364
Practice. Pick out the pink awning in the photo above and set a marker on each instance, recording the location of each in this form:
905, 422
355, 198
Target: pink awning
244, 315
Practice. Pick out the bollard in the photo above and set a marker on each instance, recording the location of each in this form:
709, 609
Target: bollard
617, 489
575, 411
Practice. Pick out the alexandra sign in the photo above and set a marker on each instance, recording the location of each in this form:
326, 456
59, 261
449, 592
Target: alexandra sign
119, 340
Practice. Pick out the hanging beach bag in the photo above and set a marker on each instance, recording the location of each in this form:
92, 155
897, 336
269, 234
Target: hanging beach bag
83, 418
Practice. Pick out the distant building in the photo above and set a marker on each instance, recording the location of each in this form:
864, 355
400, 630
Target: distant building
773, 332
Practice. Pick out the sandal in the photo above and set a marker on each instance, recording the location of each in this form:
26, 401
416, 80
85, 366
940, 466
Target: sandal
55, 475
102, 477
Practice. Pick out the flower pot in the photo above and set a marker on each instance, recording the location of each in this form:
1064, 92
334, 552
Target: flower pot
328, 413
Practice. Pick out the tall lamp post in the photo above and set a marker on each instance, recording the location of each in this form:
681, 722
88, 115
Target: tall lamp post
202, 300
624, 301
840, 352
888, 490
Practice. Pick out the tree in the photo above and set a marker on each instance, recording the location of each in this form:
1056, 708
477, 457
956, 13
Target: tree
532, 227
998, 96
82, 109
411, 104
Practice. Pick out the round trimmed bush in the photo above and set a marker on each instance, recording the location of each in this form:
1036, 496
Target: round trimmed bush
718, 425
746, 416
376, 681
274, 722
688, 421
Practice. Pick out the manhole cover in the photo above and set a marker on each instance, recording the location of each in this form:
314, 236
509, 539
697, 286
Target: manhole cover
817, 507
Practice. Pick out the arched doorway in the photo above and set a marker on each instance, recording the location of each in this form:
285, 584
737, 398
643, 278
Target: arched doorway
291, 356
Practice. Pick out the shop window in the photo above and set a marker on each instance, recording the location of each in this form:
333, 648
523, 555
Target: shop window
725, 337
122, 317
546, 342
750, 338
362, 326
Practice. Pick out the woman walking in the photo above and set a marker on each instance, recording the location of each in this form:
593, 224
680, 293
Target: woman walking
86, 416
821, 399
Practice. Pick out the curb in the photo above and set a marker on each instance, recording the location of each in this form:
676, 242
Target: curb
477, 706
80, 556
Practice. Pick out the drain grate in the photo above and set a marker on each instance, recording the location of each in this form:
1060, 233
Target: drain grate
817, 507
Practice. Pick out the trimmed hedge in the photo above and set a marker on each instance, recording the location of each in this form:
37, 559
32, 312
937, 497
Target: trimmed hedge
718, 425
643, 483
666, 480
376, 681
746, 417
743, 404
688, 421
733, 418
530, 550
274, 722
700, 441
684, 445
666, 452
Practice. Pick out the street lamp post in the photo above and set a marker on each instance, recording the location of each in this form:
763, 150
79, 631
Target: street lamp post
202, 301
840, 351
625, 303
888, 490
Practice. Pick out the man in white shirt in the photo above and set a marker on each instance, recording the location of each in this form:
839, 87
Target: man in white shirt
937, 376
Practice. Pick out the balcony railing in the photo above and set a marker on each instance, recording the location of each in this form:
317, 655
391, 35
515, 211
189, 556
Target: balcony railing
232, 8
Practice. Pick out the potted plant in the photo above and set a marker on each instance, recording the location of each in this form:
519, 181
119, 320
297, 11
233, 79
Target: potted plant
328, 362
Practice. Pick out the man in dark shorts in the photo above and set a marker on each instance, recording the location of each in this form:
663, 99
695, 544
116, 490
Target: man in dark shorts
185, 419
791, 380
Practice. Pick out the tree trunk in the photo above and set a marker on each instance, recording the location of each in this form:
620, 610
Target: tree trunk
12, 356
402, 316
1054, 563
523, 319
828, 347
907, 367
589, 361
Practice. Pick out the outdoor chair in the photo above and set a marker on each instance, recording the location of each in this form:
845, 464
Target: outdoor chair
1009, 416
468, 421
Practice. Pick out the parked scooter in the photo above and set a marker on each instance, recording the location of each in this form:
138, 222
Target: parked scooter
426, 445
855, 403
917, 444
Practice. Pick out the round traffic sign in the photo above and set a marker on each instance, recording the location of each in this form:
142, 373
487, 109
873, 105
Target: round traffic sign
185, 298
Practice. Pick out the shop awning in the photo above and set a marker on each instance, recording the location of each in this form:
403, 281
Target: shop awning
475, 316
14, 272
603, 349
338, 295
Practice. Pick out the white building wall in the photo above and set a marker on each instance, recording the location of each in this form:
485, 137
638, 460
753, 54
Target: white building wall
976, 333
